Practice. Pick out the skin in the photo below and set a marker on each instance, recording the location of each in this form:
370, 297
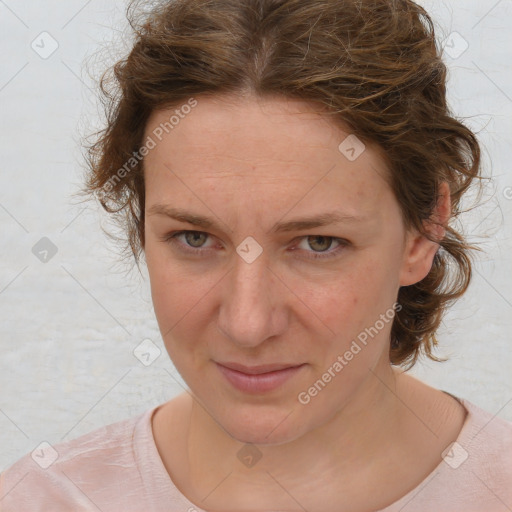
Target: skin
249, 163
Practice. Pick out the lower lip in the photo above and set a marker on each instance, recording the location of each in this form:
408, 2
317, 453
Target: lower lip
262, 383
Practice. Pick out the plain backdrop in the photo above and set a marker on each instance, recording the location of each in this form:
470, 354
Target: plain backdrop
70, 325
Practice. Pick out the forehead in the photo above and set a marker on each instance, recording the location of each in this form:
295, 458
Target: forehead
280, 150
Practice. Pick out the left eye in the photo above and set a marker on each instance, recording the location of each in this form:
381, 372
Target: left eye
319, 243
320, 246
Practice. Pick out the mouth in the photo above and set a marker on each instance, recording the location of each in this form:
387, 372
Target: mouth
258, 379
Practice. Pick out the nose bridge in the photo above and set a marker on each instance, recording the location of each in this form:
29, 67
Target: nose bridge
249, 312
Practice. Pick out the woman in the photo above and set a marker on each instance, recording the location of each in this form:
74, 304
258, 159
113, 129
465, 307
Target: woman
289, 170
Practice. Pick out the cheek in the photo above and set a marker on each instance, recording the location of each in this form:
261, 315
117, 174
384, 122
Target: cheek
182, 301
176, 306
354, 298
173, 292
176, 299
352, 306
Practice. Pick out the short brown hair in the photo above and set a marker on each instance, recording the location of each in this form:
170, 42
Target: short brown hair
373, 65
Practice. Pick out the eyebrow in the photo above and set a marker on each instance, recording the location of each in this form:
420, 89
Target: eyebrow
323, 219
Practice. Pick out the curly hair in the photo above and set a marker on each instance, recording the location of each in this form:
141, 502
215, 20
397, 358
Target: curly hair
373, 65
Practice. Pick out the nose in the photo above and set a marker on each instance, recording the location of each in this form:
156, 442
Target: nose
253, 305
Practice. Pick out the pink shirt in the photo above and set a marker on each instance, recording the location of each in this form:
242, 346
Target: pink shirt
118, 468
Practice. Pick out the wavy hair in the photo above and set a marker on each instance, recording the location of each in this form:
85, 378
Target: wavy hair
372, 65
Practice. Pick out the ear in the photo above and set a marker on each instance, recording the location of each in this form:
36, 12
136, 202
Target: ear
419, 251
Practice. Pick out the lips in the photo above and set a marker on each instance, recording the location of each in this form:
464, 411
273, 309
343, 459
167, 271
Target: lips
260, 369
258, 379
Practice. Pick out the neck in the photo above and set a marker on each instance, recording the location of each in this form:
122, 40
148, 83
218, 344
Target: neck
357, 435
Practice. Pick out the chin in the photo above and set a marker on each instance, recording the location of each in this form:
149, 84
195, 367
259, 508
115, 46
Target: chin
263, 428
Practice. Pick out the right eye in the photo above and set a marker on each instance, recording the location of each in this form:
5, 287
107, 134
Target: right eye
188, 241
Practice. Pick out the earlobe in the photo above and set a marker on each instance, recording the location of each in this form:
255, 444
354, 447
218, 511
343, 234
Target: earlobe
419, 251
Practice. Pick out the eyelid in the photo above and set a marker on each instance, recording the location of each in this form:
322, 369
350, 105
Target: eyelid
173, 236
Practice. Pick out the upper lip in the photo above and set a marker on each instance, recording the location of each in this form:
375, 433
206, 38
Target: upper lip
256, 370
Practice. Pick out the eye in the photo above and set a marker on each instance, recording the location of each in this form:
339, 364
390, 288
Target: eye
192, 241
320, 246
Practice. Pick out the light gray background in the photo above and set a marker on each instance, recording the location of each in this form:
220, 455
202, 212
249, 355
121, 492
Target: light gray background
69, 326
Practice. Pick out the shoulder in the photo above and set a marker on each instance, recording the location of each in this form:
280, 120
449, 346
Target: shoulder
477, 467
68, 475
487, 443
475, 473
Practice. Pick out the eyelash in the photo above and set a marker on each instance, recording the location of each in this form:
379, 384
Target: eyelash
172, 238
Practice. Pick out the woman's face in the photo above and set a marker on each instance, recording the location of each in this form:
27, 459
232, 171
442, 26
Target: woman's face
291, 256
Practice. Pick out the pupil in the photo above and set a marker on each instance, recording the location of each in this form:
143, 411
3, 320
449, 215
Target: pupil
192, 239
319, 239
